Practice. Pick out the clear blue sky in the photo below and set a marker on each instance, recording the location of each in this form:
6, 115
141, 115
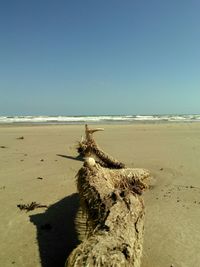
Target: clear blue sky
75, 57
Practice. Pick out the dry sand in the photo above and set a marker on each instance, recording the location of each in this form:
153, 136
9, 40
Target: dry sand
45, 236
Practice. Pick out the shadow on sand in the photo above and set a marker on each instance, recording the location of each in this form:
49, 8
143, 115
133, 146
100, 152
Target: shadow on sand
56, 232
78, 158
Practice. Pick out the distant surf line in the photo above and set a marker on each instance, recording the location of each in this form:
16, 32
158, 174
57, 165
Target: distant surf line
98, 119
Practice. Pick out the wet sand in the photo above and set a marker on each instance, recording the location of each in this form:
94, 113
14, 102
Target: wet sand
42, 166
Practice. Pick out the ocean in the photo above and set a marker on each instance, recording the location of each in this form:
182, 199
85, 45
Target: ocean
106, 119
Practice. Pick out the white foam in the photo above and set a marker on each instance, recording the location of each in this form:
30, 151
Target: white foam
96, 119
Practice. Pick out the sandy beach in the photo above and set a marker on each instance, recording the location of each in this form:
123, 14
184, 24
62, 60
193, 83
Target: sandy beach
41, 167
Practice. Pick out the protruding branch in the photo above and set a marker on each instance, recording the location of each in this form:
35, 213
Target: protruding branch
89, 132
88, 147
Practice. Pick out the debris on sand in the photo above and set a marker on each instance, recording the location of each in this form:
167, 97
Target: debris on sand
31, 206
3, 146
39, 178
20, 138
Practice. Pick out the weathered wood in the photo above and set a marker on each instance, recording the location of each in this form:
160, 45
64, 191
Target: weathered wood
112, 207
88, 147
115, 216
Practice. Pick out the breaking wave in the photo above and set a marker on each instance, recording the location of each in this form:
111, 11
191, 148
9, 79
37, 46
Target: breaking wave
97, 119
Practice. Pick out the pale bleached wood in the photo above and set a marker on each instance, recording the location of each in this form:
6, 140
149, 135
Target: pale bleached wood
115, 216
110, 221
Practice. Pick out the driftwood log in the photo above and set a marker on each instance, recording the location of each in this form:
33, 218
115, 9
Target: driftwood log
111, 200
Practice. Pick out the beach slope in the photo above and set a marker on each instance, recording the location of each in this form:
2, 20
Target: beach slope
41, 167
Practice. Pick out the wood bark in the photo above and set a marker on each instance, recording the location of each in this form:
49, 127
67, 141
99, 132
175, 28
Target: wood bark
115, 216
110, 200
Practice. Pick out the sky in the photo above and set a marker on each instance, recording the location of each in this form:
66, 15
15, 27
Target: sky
97, 57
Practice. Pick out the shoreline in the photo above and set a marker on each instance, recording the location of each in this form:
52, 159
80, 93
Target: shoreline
121, 123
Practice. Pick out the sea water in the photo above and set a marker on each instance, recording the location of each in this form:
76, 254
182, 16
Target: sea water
106, 119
